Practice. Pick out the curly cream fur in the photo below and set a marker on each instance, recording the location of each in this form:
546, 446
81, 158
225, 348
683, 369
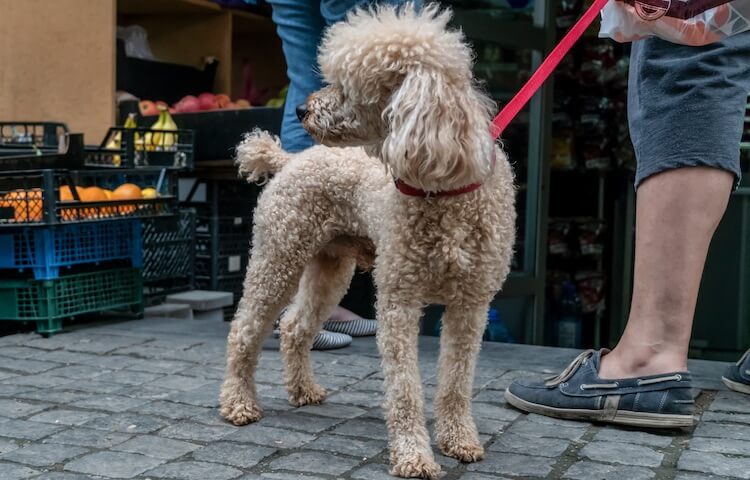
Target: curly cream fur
395, 77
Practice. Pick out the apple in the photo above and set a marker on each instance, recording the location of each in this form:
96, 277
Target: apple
162, 105
223, 100
188, 104
230, 105
147, 107
207, 101
242, 103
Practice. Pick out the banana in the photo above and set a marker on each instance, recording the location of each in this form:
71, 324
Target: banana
130, 122
115, 143
169, 138
154, 139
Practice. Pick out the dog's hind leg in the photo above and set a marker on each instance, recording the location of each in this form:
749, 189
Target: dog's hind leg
322, 286
460, 341
269, 284
409, 441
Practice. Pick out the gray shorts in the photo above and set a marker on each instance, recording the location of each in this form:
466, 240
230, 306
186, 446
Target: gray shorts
686, 105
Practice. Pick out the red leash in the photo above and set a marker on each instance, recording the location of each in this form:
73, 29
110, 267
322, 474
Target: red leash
549, 64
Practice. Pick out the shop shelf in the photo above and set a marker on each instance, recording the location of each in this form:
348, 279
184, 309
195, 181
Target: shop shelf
46, 250
169, 253
48, 302
32, 198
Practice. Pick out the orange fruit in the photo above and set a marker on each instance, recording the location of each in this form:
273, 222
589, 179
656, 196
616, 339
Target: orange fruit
67, 196
108, 193
94, 194
27, 205
127, 191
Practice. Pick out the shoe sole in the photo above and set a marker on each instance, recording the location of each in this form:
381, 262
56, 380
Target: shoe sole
622, 417
736, 386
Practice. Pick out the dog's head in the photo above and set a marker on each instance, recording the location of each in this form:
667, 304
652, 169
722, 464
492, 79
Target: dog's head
400, 82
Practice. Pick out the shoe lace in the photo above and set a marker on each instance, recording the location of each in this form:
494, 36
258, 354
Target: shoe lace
570, 370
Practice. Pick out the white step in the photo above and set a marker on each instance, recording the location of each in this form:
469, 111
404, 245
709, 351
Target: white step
171, 310
202, 300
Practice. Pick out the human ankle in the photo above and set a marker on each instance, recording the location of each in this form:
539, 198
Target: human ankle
633, 362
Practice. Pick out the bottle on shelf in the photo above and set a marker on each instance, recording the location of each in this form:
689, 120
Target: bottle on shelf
569, 324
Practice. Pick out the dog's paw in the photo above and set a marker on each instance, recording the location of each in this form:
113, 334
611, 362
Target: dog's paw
416, 466
310, 395
466, 452
241, 413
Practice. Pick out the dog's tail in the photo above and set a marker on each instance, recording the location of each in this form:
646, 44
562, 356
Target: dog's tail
260, 155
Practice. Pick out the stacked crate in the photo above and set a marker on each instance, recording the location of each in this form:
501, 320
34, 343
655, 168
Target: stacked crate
64, 257
223, 234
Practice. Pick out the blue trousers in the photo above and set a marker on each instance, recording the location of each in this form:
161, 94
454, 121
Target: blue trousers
300, 25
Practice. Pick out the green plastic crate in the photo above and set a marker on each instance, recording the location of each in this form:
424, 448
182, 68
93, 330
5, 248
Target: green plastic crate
47, 302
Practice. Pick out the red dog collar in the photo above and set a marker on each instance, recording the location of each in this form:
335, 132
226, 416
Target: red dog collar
407, 189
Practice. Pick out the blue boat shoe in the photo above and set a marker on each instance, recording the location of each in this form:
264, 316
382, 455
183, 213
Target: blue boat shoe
656, 401
737, 376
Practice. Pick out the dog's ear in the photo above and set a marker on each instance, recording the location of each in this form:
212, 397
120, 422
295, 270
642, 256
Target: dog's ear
438, 136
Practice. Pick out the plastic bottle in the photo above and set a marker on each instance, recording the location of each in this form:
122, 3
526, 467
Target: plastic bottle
570, 323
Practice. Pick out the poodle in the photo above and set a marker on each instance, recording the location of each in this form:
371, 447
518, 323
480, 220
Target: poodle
408, 181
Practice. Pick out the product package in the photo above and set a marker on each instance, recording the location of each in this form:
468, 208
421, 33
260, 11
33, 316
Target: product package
688, 22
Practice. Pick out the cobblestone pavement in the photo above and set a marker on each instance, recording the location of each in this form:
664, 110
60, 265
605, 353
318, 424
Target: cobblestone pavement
138, 400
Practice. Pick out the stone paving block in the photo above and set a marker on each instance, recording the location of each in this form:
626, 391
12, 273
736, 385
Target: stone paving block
172, 410
81, 372
27, 430
42, 380
534, 429
715, 463
344, 369
543, 447
447, 463
333, 410
269, 437
55, 342
206, 396
347, 446
87, 437
532, 417
10, 351
372, 471
494, 412
720, 445
280, 476
369, 385
730, 402
66, 417
362, 428
722, 417
53, 395
502, 382
480, 476
94, 387
631, 436
490, 396
513, 464
157, 447
14, 390
62, 476
145, 392
491, 427
126, 423
158, 365
624, 453
8, 446
65, 357
110, 403
314, 462
698, 476
131, 377
43, 454
296, 421
212, 416
25, 365
360, 399
6, 374
180, 382
586, 470
234, 454
113, 464
10, 471
17, 409
189, 470
103, 343
196, 431
737, 432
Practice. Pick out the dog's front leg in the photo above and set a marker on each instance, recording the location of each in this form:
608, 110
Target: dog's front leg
409, 441
460, 340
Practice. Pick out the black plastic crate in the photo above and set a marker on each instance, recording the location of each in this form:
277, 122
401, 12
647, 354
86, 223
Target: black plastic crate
33, 198
216, 236
220, 265
39, 151
143, 147
30, 135
220, 198
169, 254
